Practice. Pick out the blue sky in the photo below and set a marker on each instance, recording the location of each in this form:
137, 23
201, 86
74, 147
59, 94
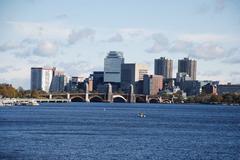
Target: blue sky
75, 35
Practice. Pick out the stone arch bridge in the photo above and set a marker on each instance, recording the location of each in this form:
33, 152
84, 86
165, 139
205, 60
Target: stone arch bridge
107, 97
102, 97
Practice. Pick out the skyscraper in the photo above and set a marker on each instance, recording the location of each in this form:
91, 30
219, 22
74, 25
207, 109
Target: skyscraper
112, 67
131, 73
163, 67
188, 66
41, 78
59, 81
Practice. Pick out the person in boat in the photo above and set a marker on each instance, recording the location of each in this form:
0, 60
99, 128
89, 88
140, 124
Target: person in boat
141, 114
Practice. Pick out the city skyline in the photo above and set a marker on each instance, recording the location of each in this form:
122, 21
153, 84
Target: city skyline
70, 37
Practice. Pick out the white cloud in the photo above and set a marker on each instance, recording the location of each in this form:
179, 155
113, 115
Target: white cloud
76, 35
181, 46
6, 69
115, 38
211, 73
160, 43
31, 47
134, 32
234, 56
234, 77
8, 46
46, 49
207, 51
38, 30
203, 38
77, 68
17, 76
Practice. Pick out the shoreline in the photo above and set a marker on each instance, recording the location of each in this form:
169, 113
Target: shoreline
35, 102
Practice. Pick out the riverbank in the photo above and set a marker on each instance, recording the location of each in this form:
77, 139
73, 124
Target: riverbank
36, 102
18, 102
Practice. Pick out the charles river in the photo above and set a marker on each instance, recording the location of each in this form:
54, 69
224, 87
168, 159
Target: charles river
115, 131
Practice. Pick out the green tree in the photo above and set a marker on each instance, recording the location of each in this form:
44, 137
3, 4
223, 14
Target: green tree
190, 99
35, 94
215, 98
21, 92
227, 98
8, 91
236, 98
178, 98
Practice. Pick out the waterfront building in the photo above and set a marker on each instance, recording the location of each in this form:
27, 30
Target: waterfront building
41, 78
169, 83
163, 67
209, 89
194, 87
75, 83
182, 76
132, 73
138, 87
228, 88
98, 77
59, 82
152, 84
191, 87
112, 67
188, 66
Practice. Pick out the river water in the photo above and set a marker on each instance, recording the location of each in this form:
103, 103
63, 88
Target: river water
114, 131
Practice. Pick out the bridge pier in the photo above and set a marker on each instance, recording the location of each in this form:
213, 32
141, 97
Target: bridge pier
147, 98
131, 95
160, 100
86, 93
68, 96
109, 96
50, 96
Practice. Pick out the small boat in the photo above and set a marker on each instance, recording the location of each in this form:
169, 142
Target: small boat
141, 115
34, 103
27, 103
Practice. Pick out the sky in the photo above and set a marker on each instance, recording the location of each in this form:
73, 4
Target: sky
76, 35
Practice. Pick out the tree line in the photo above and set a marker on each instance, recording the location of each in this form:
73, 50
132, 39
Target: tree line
8, 91
203, 98
228, 98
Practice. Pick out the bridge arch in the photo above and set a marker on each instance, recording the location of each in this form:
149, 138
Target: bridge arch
140, 99
77, 99
58, 97
96, 99
119, 99
154, 100
166, 101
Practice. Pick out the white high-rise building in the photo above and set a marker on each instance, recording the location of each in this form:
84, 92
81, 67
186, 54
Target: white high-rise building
41, 78
112, 67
